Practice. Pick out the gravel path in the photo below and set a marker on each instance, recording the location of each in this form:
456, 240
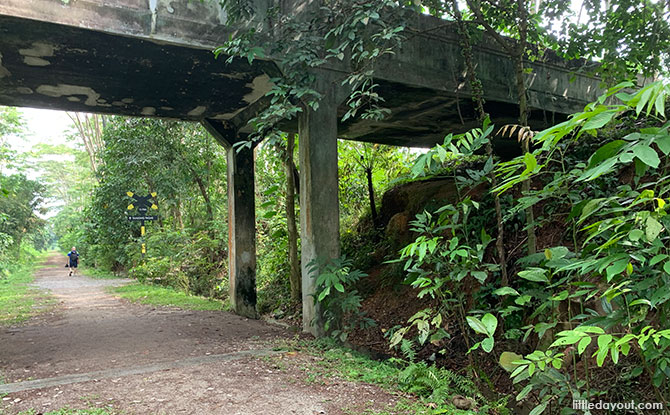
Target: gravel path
95, 350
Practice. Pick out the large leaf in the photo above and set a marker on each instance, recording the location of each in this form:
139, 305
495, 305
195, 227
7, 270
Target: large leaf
490, 322
487, 344
653, 229
663, 144
599, 120
647, 155
534, 274
598, 170
507, 361
476, 325
607, 151
539, 409
506, 291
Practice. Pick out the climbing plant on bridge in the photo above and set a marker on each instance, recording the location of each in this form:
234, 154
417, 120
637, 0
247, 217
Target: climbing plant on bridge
352, 36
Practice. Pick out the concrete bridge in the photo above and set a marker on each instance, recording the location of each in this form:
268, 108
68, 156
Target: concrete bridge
153, 58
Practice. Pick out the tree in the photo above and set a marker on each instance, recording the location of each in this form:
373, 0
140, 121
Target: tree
178, 161
291, 226
627, 38
20, 206
90, 128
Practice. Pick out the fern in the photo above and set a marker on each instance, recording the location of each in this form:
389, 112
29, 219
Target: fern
407, 350
435, 384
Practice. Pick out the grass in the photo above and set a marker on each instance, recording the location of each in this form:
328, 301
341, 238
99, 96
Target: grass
162, 296
338, 362
97, 273
19, 301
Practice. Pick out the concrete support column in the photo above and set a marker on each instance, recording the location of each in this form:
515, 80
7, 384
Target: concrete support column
319, 207
241, 219
242, 231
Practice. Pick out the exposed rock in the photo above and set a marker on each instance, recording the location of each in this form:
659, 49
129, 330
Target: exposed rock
414, 197
397, 229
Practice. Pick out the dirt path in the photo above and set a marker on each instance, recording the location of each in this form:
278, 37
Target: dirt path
95, 350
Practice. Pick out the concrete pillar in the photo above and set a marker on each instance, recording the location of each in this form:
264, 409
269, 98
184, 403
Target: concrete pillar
241, 220
242, 231
319, 206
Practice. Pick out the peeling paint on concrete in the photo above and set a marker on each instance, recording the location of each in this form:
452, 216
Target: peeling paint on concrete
167, 108
260, 86
39, 50
127, 100
66, 90
34, 61
197, 111
73, 99
4, 72
24, 90
148, 111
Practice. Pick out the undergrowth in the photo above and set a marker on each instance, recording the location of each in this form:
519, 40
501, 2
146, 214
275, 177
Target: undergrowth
428, 389
18, 300
162, 296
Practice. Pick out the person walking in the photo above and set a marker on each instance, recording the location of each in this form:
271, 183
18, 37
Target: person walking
73, 260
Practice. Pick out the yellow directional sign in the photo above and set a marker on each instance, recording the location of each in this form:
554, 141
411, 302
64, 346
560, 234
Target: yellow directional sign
142, 204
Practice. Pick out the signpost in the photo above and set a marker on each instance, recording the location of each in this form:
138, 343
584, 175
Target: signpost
143, 204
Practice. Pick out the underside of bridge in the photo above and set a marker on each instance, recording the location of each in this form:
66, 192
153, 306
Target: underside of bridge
124, 57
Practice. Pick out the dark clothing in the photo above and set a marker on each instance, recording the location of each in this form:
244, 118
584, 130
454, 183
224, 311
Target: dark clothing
74, 259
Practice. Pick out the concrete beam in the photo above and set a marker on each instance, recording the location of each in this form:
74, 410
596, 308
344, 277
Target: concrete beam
241, 220
319, 206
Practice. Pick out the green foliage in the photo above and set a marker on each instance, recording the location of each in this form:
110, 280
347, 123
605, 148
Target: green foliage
619, 269
601, 299
352, 30
169, 297
627, 37
449, 251
434, 387
340, 302
272, 278
18, 209
435, 384
386, 164
21, 199
17, 298
337, 361
486, 326
186, 247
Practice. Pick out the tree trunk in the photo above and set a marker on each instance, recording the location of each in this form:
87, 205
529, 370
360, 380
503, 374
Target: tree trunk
523, 114
478, 99
177, 215
371, 195
292, 229
205, 195
90, 128
517, 53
